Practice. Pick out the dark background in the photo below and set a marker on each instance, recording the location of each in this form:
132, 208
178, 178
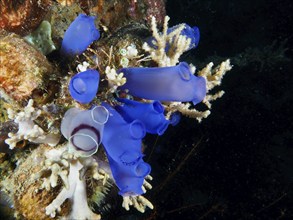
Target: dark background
238, 163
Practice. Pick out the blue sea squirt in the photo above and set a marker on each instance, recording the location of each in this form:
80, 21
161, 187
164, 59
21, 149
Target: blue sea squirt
80, 34
174, 83
84, 85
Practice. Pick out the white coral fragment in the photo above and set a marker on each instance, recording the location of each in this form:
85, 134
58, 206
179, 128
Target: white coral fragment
75, 192
57, 165
176, 42
82, 67
56, 171
184, 109
146, 185
27, 129
100, 174
138, 202
214, 78
115, 80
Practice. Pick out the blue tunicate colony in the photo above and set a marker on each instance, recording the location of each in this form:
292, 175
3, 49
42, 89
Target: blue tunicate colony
122, 127
122, 141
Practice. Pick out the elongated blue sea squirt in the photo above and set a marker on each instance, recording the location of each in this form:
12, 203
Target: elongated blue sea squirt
175, 83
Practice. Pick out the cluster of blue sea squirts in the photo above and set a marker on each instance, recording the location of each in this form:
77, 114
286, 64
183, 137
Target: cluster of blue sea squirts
121, 127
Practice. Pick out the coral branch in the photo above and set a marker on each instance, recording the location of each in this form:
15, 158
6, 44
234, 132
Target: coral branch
28, 130
138, 202
76, 192
176, 42
114, 80
184, 108
214, 78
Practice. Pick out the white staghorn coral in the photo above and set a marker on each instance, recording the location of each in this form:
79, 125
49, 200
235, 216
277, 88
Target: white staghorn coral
115, 80
178, 44
214, 78
76, 192
71, 170
185, 109
138, 202
58, 166
146, 185
27, 129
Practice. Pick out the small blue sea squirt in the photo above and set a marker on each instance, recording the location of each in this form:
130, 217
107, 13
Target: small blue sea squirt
79, 35
83, 86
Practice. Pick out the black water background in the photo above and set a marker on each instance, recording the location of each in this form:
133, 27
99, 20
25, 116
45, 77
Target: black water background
243, 166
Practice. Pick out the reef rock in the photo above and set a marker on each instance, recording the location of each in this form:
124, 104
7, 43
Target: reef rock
22, 17
23, 68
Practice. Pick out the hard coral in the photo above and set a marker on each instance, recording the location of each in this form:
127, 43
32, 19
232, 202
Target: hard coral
76, 192
73, 172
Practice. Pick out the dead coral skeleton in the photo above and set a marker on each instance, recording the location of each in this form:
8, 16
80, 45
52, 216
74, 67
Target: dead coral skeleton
214, 78
114, 79
76, 192
140, 203
177, 43
71, 170
28, 129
